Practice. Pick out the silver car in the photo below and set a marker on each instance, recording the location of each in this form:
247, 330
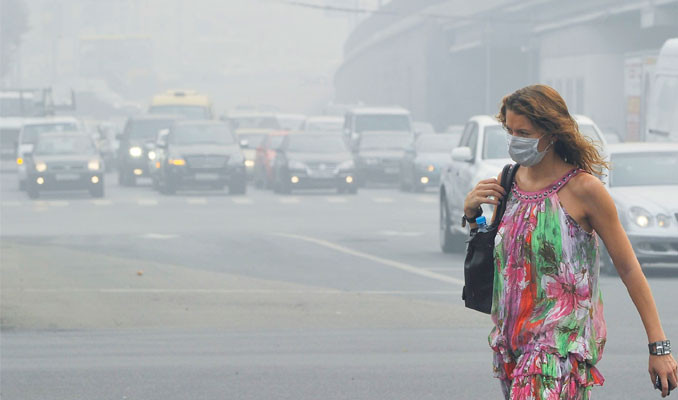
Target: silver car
643, 182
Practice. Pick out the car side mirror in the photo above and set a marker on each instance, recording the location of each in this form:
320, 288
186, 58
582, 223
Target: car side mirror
244, 144
462, 154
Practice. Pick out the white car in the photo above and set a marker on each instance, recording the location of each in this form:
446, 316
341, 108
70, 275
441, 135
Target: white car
644, 186
481, 154
323, 124
31, 130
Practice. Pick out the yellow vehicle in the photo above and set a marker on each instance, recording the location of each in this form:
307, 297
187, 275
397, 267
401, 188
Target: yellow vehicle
186, 103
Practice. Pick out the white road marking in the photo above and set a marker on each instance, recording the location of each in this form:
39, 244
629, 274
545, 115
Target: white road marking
159, 236
197, 201
241, 200
427, 199
390, 263
11, 203
58, 203
382, 199
101, 202
289, 200
336, 200
401, 233
147, 202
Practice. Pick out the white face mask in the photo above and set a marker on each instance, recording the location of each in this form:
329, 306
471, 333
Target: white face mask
525, 151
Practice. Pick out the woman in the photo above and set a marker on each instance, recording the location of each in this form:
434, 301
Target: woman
549, 329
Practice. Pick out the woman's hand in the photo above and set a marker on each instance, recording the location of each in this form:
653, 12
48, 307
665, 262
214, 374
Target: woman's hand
481, 195
666, 368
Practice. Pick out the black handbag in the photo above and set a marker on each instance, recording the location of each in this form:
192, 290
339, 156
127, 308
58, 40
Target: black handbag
479, 262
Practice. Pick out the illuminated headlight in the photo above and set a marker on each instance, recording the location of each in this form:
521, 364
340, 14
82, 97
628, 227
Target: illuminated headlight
135, 151
152, 155
249, 163
177, 161
346, 165
663, 221
641, 217
94, 165
296, 165
430, 168
19, 161
40, 167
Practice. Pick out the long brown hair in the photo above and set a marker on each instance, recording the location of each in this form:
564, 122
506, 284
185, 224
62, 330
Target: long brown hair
547, 111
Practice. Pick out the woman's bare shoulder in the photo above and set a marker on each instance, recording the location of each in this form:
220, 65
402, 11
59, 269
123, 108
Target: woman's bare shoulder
586, 186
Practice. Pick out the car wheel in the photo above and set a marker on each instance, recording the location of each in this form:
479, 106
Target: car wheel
449, 242
97, 191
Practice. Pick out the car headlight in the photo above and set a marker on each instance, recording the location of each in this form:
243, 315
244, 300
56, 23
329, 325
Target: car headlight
663, 221
640, 216
346, 165
152, 155
40, 167
94, 165
293, 164
135, 151
177, 161
249, 163
430, 168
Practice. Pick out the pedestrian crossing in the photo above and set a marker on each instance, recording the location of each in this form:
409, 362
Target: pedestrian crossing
205, 201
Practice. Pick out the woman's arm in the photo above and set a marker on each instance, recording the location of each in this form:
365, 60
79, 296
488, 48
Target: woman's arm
601, 213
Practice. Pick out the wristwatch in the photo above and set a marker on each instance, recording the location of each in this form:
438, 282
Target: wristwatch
660, 348
471, 220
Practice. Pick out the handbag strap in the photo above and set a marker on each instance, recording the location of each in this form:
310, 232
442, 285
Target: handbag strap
508, 174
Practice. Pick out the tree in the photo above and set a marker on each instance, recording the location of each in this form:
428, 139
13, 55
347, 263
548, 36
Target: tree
13, 25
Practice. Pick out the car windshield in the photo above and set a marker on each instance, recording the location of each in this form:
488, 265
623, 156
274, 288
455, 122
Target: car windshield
436, 143
202, 134
495, 145
32, 132
147, 129
631, 169
316, 144
253, 139
386, 141
189, 112
65, 145
254, 122
365, 123
324, 126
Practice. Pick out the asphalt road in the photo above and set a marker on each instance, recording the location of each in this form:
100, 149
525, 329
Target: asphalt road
203, 295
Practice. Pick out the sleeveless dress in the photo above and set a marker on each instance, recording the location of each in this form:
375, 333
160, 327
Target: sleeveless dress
549, 331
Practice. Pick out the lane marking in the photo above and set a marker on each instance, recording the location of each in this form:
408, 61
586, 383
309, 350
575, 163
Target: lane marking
159, 236
147, 202
197, 201
389, 263
11, 203
102, 202
58, 203
232, 291
382, 199
289, 200
241, 200
336, 200
428, 200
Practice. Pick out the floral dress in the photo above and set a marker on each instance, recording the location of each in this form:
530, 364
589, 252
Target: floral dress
547, 309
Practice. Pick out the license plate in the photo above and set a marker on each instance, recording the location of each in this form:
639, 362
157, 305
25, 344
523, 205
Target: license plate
391, 170
67, 177
206, 177
321, 174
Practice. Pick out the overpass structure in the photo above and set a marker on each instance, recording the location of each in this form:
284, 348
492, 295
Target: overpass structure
446, 60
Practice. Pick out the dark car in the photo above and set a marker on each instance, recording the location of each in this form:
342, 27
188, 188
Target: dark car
199, 154
314, 161
422, 163
65, 161
136, 141
378, 156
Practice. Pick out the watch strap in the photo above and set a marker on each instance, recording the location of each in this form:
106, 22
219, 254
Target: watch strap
660, 348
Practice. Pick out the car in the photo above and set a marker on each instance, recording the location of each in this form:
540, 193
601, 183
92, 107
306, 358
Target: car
421, 165
65, 161
314, 161
647, 202
323, 124
30, 132
376, 119
481, 154
378, 156
290, 122
187, 103
136, 145
199, 154
265, 159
